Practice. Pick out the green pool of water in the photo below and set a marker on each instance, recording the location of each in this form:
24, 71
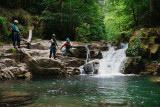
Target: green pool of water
86, 91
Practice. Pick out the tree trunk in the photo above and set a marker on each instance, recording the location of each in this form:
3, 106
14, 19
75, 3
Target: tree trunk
153, 10
153, 5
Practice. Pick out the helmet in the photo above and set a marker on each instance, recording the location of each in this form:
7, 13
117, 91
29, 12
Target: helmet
67, 39
15, 21
53, 35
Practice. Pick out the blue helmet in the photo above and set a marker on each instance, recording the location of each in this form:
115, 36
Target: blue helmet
67, 39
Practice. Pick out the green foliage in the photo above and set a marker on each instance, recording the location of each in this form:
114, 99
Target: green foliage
76, 19
4, 34
1, 43
14, 50
135, 48
123, 15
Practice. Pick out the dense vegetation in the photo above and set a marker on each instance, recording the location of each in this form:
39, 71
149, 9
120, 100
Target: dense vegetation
83, 20
79, 20
122, 16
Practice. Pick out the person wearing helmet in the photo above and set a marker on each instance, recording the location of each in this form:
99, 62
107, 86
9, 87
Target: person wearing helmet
68, 46
53, 46
16, 34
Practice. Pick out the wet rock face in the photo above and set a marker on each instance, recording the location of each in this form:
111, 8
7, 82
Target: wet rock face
91, 67
95, 54
133, 65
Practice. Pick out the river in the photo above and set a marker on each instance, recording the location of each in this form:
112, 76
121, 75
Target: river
86, 91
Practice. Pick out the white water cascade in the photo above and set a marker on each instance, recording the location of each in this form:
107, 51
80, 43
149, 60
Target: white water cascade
113, 61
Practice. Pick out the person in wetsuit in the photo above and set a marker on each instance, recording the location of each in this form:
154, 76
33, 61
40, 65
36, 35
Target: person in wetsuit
68, 46
16, 34
53, 46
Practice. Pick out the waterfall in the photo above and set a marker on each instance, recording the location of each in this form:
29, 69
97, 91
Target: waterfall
113, 61
87, 60
88, 53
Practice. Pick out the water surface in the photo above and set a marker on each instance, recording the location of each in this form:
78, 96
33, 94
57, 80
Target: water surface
86, 90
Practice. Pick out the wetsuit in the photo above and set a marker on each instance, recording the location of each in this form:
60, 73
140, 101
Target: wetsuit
16, 35
67, 50
53, 48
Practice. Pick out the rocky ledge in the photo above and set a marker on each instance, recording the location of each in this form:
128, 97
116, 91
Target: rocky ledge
35, 61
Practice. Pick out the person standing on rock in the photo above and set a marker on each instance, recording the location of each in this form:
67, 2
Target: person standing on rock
68, 46
16, 34
53, 46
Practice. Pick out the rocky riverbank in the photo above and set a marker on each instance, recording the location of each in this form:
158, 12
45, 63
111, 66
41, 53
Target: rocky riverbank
35, 61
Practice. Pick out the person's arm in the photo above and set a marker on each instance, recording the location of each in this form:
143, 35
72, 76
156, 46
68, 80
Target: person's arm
63, 45
15, 28
56, 42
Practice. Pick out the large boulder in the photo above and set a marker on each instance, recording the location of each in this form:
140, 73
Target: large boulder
75, 62
133, 65
46, 67
91, 67
16, 99
79, 51
145, 43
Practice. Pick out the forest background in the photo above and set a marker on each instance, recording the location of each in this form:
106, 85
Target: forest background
80, 20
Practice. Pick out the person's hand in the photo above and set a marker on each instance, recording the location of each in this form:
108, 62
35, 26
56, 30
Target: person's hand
19, 32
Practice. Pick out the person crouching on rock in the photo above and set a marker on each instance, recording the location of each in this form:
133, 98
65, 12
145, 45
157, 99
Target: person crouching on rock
53, 46
68, 46
16, 34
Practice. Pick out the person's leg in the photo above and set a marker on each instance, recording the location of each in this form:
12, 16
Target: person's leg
18, 40
14, 40
70, 52
51, 51
65, 52
54, 52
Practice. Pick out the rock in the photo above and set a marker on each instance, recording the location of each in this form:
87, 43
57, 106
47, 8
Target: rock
146, 41
6, 74
88, 68
91, 67
152, 68
48, 63
46, 67
2, 66
79, 51
113, 102
155, 79
98, 46
75, 63
14, 70
95, 54
15, 99
8, 62
37, 45
71, 71
133, 65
